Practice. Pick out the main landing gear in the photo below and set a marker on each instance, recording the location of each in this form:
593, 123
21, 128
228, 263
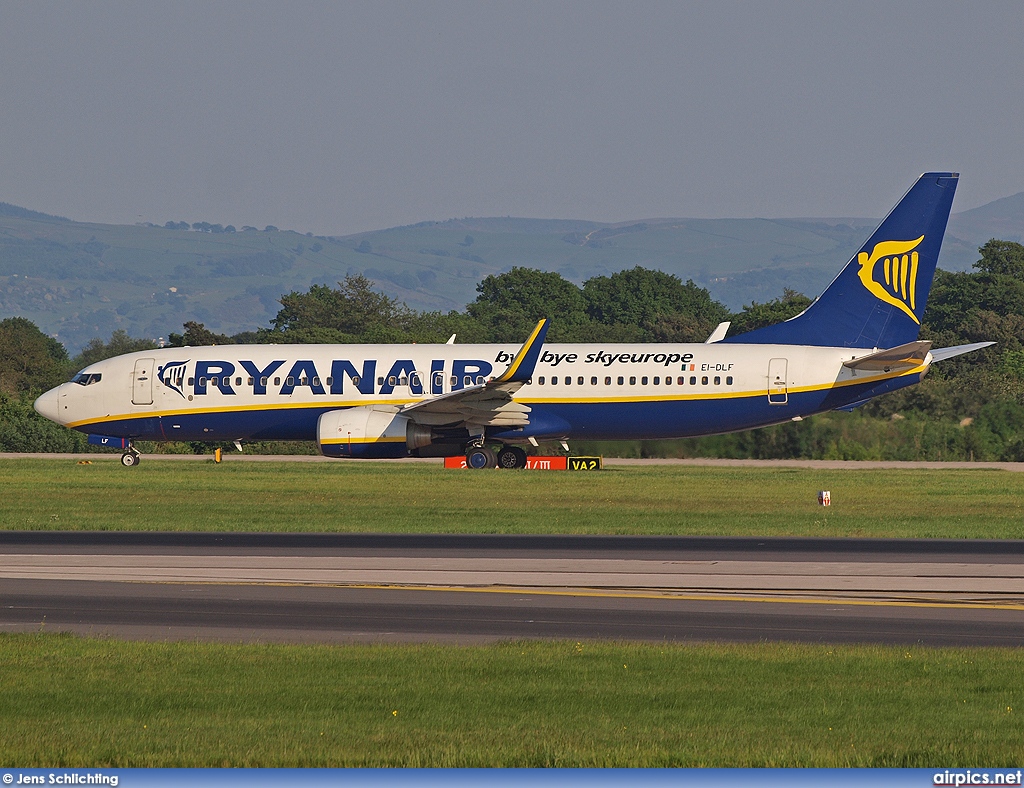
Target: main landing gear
131, 457
504, 457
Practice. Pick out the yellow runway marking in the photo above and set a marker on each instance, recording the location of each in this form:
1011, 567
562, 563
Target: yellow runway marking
666, 595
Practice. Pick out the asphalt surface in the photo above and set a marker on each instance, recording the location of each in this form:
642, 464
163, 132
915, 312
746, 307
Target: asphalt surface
472, 589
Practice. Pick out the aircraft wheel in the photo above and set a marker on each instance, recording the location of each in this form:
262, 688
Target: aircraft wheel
511, 457
481, 457
130, 459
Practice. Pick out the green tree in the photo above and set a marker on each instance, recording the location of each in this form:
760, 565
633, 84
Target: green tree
769, 313
510, 304
653, 306
197, 335
119, 344
348, 313
1002, 257
30, 361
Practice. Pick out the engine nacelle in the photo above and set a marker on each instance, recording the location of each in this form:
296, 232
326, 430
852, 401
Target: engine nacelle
369, 433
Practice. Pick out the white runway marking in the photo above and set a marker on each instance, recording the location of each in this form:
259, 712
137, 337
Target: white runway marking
839, 579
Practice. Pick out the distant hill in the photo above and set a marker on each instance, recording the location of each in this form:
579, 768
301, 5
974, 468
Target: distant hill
78, 281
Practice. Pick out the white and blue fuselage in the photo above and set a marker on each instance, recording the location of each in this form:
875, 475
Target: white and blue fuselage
585, 391
856, 341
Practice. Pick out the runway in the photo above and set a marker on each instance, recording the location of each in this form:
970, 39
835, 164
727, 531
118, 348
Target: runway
472, 589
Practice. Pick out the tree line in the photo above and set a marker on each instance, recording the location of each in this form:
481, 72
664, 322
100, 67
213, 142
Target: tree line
970, 407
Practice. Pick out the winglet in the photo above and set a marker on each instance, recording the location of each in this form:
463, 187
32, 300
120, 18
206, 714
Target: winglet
522, 366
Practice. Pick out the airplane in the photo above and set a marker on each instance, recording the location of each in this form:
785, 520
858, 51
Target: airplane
856, 341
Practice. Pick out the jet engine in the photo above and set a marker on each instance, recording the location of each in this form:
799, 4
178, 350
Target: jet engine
369, 432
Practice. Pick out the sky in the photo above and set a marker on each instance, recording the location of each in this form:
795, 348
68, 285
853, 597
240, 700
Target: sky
342, 117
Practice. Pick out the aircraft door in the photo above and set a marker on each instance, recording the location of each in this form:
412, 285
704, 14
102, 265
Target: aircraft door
142, 382
778, 391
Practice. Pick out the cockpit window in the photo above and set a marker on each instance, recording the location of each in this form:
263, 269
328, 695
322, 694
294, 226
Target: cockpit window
86, 378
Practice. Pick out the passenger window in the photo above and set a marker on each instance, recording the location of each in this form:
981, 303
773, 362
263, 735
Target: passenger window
238, 381
414, 379
632, 380
580, 380
291, 380
303, 381
251, 382
214, 382
202, 382
681, 380
554, 380
380, 381
593, 381
540, 381
728, 381
277, 381
263, 381
718, 381
657, 380
693, 380
316, 381
643, 381
455, 381
403, 381
479, 380
568, 381
329, 381
621, 380
191, 381
608, 381
467, 380
704, 380
391, 380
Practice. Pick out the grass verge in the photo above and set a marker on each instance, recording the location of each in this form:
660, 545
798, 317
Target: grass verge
69, 701
375, 497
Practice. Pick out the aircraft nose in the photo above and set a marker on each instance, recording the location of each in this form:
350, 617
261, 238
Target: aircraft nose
48, 405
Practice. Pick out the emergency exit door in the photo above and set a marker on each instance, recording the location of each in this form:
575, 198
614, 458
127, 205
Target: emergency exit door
778, 391
142, 382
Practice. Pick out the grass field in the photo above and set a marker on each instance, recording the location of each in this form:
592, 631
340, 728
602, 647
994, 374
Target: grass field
68, 701
378, 497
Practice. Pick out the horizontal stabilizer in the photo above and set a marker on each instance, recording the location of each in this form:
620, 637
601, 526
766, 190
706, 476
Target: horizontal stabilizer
905, 356
949, 352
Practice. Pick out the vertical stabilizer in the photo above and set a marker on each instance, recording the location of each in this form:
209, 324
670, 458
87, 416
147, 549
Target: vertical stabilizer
878, 300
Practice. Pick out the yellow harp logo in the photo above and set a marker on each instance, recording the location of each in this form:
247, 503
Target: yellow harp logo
899, 264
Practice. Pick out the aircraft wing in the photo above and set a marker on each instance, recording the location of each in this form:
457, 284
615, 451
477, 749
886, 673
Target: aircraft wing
487, 404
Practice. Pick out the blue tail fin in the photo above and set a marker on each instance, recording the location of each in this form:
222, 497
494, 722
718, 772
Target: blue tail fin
877, 301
